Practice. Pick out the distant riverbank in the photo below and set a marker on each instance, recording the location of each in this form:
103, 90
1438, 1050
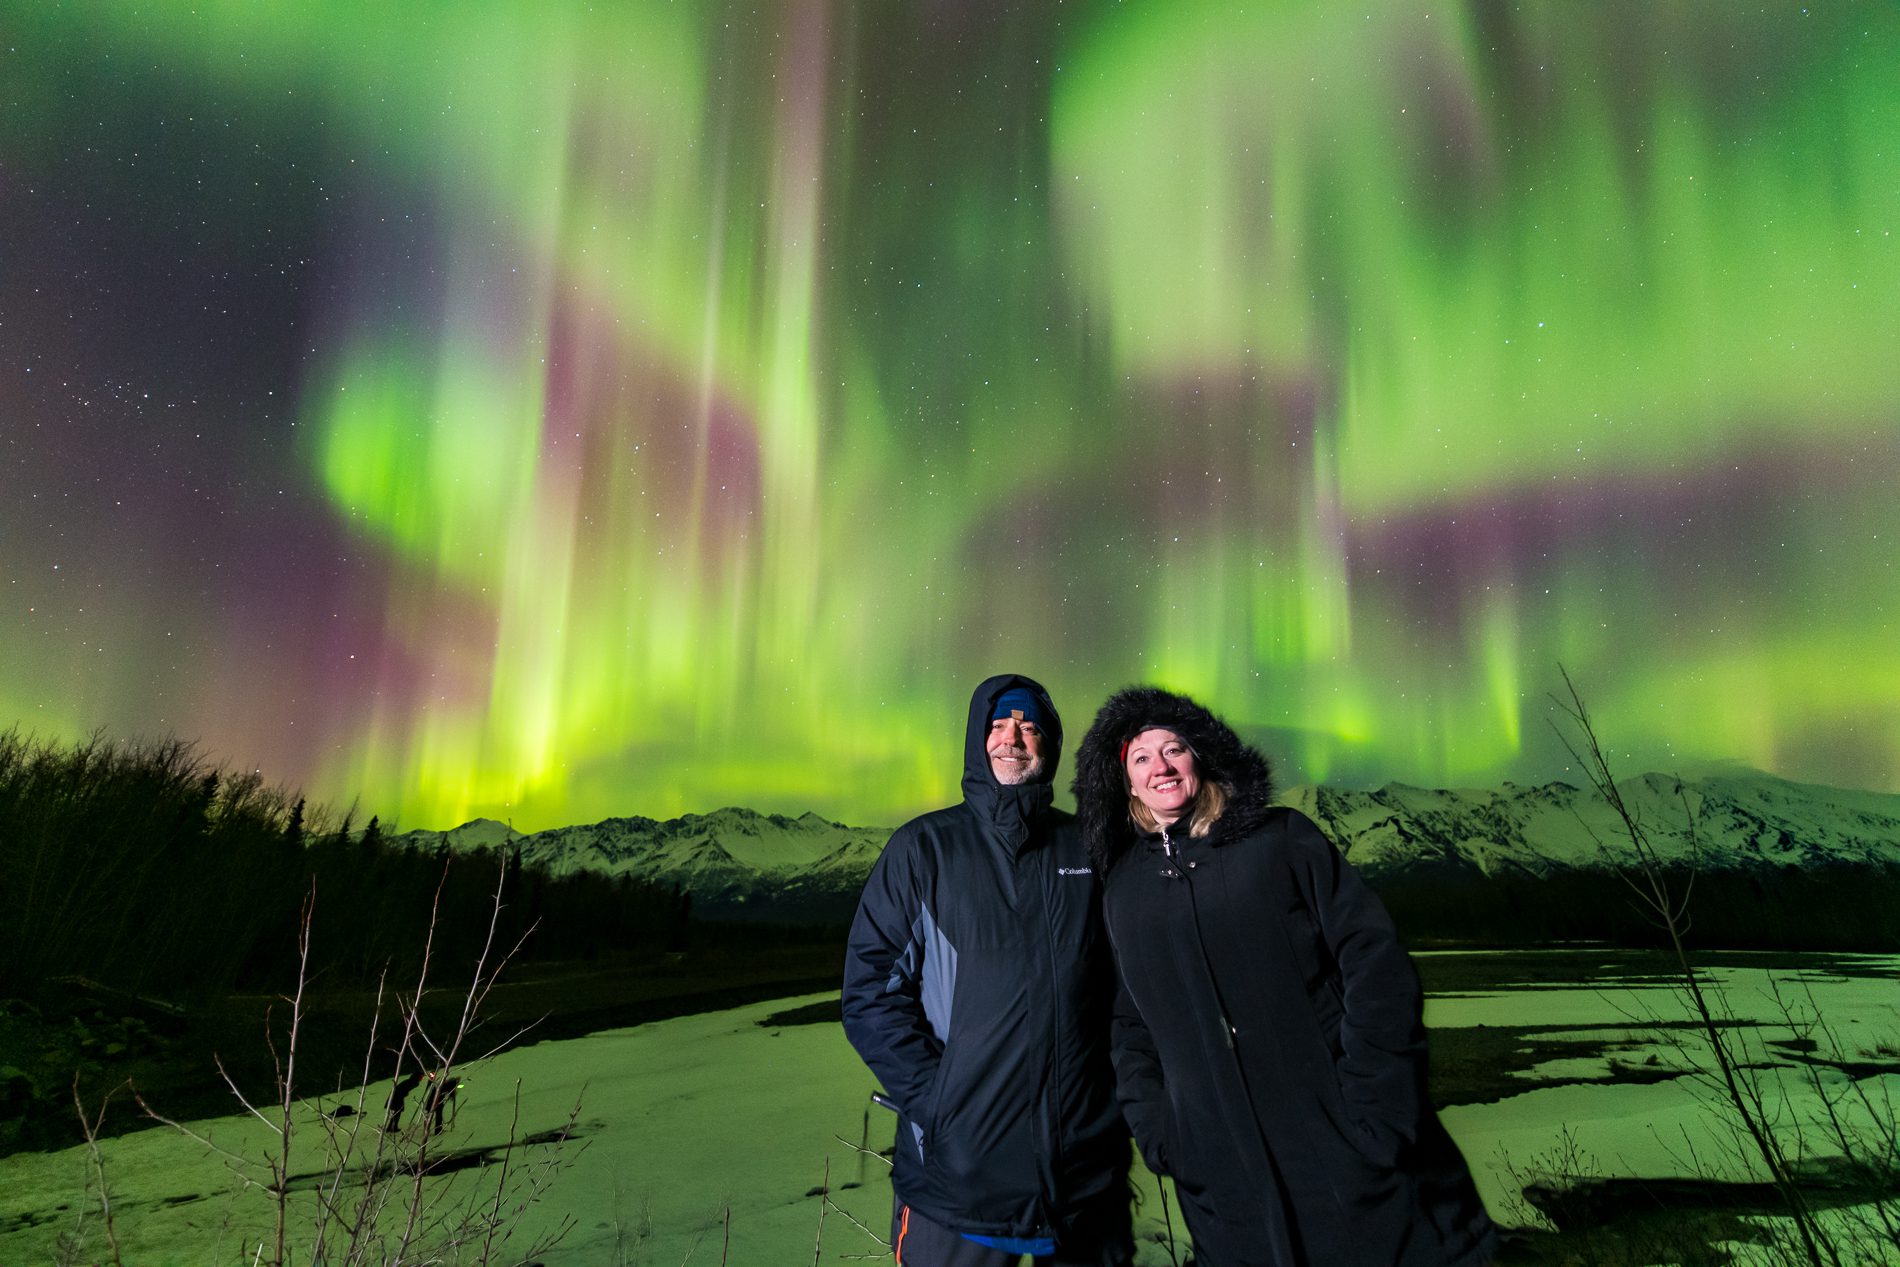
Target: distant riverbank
171, 1053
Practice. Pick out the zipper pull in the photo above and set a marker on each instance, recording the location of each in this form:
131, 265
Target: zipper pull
1167, 843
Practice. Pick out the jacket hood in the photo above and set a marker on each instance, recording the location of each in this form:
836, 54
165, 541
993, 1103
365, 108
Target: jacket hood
992, 800
1220, 756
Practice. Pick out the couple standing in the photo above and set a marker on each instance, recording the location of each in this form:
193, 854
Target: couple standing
1257, 1021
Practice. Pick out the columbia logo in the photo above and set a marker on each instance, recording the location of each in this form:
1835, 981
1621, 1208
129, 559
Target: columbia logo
1074, 871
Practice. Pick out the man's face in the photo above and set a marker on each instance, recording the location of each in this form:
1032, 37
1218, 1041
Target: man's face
1016, 750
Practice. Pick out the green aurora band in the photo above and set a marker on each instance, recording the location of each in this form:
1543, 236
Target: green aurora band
759, 379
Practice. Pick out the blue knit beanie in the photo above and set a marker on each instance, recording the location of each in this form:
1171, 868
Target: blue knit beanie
1023, 704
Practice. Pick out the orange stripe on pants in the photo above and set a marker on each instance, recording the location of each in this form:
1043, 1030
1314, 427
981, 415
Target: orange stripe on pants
903, 1227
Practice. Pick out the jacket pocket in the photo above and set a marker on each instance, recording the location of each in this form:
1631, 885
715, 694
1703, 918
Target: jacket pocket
1362, 1136
1378, 1148
933, 1108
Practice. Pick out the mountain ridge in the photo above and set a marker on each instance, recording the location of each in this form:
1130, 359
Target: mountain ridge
735, 862
741, 863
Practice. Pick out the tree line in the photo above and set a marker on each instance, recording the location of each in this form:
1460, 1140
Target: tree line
144, 867
1847, 907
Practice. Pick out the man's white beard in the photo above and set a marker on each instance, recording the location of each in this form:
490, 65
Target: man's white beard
1011, 775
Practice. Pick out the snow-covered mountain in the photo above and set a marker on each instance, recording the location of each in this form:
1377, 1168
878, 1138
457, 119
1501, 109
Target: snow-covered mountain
737, 862
1740, 820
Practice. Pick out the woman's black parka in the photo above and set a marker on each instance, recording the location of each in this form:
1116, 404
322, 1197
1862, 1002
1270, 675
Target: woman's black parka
1268, 1046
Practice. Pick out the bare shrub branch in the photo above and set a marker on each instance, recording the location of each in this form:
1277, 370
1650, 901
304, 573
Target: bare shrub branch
90, 1124
1648, 879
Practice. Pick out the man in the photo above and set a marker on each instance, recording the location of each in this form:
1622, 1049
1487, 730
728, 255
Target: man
978, 988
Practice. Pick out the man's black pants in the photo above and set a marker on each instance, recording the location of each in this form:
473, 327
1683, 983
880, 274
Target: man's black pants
1100, 1235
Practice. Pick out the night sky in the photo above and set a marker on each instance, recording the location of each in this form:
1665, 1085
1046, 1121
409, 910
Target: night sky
551, 412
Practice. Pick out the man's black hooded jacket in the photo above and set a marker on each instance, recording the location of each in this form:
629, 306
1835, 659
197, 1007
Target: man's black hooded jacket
977, 987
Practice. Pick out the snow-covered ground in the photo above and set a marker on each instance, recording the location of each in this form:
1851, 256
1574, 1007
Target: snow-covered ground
682, 1121
1668, 1127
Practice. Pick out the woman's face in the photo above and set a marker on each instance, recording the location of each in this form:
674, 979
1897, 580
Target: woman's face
1161, 773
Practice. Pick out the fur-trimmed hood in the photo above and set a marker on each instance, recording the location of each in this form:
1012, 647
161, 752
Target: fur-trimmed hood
1101, 790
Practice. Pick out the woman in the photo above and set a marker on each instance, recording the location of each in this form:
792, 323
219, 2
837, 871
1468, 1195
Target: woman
1268, 1048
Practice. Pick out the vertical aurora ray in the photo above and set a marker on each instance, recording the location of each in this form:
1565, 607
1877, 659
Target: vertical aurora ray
684, 405
1539, 273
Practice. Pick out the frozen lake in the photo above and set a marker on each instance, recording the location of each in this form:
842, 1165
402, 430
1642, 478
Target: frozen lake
683, 1121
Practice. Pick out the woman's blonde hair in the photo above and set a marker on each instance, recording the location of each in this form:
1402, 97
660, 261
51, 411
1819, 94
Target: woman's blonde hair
1207, 807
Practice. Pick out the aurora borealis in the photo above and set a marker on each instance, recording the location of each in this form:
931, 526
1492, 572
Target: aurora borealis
551, 412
